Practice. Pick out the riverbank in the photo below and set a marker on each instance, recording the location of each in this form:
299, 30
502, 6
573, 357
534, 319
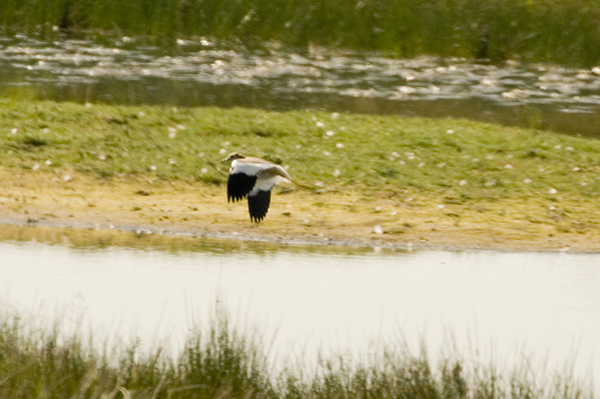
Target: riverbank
372, 180
298, 216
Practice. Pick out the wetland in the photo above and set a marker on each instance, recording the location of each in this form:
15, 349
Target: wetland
441, 193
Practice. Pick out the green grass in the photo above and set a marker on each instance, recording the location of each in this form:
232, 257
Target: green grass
561, 31
221, 361
460, 161
46, 363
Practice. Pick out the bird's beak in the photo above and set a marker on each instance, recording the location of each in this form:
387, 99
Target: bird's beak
225, 160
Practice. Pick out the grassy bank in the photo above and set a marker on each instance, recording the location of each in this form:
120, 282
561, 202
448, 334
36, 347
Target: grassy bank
442, 182
459, 161
220, 361
561, 31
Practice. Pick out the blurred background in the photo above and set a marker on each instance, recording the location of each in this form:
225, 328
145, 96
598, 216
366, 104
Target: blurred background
530, 63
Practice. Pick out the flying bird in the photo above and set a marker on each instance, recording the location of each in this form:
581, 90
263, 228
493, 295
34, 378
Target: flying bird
253, 178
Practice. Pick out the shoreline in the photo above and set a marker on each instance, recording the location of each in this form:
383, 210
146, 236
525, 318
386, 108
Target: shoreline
296, 217
296, 241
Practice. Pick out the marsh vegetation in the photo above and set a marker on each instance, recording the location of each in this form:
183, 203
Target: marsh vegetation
220, 360
564, 32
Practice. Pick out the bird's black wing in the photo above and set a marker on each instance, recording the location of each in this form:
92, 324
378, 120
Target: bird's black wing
239, 185
258, 205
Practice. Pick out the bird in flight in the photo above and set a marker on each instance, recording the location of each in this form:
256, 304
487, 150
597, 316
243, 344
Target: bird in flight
253, 178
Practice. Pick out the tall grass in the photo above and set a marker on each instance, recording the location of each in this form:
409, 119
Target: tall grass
561, 31
41, 363
222, 362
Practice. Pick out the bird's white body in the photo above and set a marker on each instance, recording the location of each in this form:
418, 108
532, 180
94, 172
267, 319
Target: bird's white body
253, 178
265, 181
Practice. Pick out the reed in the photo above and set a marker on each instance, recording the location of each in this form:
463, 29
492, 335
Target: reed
225, 362
558, 31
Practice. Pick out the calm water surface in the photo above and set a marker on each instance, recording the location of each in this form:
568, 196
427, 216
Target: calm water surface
199, 73
505, 305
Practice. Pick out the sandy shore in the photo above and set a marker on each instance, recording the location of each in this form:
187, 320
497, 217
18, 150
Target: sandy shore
348, 217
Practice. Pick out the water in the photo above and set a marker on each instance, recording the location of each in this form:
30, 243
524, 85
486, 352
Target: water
545, 306
199, 73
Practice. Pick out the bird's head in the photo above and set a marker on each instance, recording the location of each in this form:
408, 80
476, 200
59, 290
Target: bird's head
233, 156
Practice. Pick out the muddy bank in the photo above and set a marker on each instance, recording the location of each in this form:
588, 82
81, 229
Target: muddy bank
298, 216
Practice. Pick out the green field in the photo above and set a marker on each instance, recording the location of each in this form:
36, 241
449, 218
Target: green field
460, 161
558, 31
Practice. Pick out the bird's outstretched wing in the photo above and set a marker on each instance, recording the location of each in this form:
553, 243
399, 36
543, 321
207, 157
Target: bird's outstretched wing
239, 186
258, 205
254, 178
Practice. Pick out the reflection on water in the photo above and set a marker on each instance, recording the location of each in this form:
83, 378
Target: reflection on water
509, 304
565, 99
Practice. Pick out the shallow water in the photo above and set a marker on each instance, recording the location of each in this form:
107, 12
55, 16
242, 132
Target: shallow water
199, 73
543, 306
